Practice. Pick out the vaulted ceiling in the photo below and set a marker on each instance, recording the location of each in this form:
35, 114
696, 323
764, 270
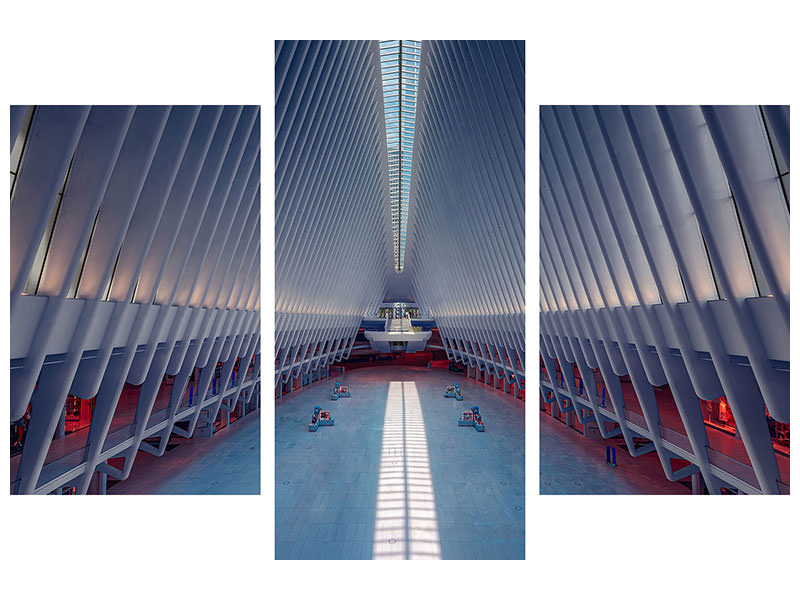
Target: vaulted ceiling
338, 224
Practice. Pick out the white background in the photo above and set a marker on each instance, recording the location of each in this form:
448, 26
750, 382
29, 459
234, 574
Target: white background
149, 52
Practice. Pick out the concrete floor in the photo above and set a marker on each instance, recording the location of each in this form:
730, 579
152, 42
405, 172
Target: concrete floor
572, 464
227, 463
396, 477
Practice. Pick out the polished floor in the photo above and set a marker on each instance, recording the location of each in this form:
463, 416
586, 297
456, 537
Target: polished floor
396, 477
572, 464
227, 463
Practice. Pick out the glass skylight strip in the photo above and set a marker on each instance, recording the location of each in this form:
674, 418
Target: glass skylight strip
400, 60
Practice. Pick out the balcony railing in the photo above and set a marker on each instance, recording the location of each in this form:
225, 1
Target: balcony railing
734, 467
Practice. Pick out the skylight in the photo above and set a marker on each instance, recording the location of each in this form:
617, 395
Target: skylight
400, 75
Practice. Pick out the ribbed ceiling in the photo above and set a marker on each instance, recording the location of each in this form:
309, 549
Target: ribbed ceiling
466, 245
135, 239
333, 248
336, 250
664, 256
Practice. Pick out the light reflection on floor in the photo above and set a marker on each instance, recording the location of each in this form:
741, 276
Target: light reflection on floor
326, 482
405, 516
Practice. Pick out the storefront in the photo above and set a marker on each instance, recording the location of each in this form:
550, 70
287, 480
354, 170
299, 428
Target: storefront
717, 413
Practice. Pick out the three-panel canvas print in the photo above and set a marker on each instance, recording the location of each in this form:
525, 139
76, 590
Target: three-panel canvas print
397, 173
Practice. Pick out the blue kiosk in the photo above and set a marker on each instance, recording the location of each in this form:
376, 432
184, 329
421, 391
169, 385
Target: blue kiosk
472, 418
340, 391
320, 417
453, 391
